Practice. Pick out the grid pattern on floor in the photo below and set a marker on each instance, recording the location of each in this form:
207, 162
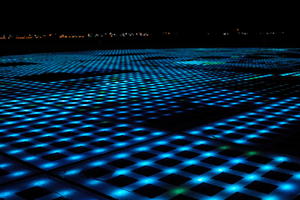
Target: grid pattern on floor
11, 170
42, 188
178, 124
55, 141
179, 166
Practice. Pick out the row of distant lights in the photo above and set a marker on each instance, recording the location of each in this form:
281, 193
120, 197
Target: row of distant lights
118, 35
126, 34
89, 35
246, 33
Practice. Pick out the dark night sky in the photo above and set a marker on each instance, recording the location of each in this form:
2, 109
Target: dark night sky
187, 19
182, 16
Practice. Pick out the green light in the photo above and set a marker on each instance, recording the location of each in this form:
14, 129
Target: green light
214, 63
251, 153
224, 147
178, 191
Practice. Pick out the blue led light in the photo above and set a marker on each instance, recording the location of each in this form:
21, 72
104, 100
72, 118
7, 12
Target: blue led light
147, 181
233, 188
280, 159
287, 187
151, 117
271, 198
72, 172
170, 171
120, 193
40, 182
267, 167
200, 179
251, 177
6, 194
65, 192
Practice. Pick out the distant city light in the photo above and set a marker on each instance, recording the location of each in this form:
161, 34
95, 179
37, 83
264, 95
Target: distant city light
125, 35
27, 36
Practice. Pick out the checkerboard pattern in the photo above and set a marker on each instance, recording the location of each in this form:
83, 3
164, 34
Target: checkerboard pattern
163, 124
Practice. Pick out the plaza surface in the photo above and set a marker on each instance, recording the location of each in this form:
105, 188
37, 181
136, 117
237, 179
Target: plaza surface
178, 124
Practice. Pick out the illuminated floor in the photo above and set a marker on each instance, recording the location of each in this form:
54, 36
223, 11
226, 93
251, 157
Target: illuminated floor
179, 124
